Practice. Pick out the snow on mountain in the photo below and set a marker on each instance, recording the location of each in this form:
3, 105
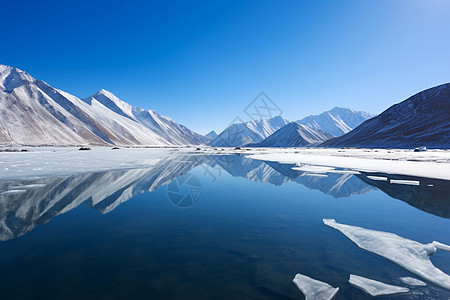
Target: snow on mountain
212, 134
294, 135
34, 113
239, 134
171, 131
337, 121
421, 120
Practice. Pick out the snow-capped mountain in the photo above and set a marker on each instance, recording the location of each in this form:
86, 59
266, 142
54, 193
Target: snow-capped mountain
421, 120
239, 134
171, 131
337, 121
294, 135
212, 134
34, 113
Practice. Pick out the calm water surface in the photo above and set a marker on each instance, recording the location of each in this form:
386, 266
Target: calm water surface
208, 227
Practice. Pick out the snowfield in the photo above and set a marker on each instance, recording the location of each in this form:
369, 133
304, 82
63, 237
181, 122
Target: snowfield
430, 164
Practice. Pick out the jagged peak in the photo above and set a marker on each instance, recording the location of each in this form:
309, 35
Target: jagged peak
11, 77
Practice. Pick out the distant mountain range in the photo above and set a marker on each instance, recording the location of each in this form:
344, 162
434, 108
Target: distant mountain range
421, 120
212, 134
239, 134
34, 113
278, 132
337, 121
294, 135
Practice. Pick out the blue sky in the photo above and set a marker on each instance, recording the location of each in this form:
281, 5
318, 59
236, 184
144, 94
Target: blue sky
202, 62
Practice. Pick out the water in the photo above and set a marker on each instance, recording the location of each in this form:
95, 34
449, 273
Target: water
202, 227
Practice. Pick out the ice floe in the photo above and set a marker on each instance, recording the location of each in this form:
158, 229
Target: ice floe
377, 178
407, 182
313, 169
408, 254
344, 172
375, 288
315, 174
412, 281
314, 289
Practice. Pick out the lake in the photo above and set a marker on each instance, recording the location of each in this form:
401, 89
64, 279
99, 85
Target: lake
210, 227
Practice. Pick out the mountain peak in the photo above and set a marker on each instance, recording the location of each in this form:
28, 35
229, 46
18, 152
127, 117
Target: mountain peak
11, 78
340, 109
294, 135
337, 121
112, 102
104, 92
212, 134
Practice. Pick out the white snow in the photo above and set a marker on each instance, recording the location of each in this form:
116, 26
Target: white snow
34, 113
337, 121
412, 281
294, 135
45, 162
430, 164
238, 134
408, 254
375, 288
314, 289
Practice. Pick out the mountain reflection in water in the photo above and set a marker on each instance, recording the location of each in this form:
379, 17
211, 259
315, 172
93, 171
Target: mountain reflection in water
27, 203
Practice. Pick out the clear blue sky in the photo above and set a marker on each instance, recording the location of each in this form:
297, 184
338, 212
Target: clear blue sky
202, 62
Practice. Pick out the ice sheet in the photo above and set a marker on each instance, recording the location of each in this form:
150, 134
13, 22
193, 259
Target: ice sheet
47, 162
432, 164
375, 288
412, 281
314, 289
408, 254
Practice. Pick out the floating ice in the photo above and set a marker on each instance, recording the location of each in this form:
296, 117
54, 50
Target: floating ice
313, 169
412, 281
316, 175
410, 255
407, 182
377, 178
344, 172
314, 289
375, 288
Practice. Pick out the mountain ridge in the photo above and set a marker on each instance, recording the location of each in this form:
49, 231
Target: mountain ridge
34, 113
336, 121
294, 135
421, 120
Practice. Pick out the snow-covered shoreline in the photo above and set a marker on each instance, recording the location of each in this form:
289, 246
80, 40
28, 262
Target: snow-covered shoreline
56, 161
430, 164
